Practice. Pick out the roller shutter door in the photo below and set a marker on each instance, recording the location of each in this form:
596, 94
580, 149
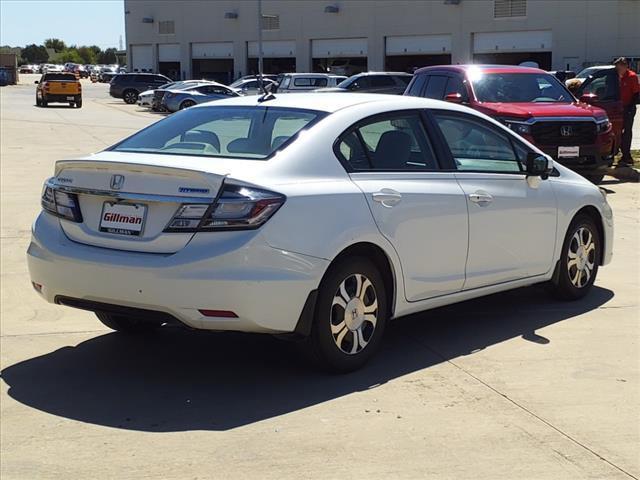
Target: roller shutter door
339, 47
142, 58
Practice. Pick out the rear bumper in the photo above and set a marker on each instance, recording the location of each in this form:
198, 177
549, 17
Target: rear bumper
115, 93
266, 288
75, 97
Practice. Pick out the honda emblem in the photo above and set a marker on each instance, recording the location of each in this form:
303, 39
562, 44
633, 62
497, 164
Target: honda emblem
117, 181
566, 130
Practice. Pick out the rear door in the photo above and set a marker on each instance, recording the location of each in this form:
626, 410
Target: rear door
512, 224
418, 207
605, 84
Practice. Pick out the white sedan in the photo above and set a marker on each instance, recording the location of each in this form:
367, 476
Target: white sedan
318, 216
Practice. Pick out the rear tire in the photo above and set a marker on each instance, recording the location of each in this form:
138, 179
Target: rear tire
579, 260
38, 102
130, 97
79, 104
186, 104
123, 324
350, 316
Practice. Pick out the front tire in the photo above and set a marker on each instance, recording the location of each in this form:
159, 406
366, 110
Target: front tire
350, 316
123, 324
186, 104
595, 179
579, 260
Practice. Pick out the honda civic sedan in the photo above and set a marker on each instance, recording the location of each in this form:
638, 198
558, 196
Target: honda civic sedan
314, 217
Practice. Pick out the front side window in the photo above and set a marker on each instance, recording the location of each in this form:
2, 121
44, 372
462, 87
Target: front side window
416, 87
436, 87
382, 81
395, 142
604, 84
476, 145
519, 88
235, 132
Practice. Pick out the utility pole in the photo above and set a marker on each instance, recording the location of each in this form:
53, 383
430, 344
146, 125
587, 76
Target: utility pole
260, 83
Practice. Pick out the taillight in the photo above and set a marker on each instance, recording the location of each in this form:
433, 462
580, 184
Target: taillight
61, 204
237, 208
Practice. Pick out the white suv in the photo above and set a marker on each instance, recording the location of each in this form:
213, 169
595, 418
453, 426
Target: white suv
318, 216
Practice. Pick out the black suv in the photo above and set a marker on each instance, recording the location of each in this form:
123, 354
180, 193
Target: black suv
374, 82
129, 85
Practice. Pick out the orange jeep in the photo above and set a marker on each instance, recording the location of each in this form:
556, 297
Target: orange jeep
59, 87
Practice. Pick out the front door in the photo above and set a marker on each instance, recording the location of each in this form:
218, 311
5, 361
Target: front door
420, 209
606, 86
512, 224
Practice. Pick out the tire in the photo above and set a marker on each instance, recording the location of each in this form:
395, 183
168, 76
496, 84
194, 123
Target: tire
71, 104
579, 260
38, 102
123, 324
339, 323
79, 104
186, 104
130, 97
595, 179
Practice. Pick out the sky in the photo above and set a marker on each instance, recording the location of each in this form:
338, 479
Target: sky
80, 22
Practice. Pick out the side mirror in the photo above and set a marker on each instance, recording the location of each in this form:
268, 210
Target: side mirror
539, 165
453, 98
36, 82
589, 98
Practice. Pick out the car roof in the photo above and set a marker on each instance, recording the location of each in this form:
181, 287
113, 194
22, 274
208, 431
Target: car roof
332, 102
362, 74
483, 68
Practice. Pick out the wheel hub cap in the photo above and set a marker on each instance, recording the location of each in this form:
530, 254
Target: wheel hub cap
354, 314
581, 257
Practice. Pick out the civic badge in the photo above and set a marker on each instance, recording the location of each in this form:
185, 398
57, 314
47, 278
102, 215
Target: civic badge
117, 181
566, 130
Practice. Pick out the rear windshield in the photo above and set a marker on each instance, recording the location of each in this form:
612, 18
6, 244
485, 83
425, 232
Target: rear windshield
59, 76
237, 132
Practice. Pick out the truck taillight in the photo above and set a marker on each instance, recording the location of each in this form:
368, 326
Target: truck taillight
237, 208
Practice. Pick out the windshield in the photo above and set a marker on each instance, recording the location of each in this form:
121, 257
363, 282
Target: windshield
346, 82
587, 72
519, 88
238, 132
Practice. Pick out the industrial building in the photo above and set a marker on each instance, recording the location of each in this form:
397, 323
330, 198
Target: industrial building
218, 39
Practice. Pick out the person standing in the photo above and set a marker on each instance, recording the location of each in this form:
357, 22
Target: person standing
629, 94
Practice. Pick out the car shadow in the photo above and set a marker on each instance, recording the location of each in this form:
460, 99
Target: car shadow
180, 380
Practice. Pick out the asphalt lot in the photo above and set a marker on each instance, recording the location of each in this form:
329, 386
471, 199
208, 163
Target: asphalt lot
513, 386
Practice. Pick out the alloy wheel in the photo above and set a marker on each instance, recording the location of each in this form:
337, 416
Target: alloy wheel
581, 257
354, 314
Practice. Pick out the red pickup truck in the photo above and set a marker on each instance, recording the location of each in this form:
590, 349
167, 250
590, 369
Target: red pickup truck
537, 106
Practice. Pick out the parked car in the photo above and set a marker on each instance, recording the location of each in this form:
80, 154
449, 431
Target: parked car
107, 74
394, 83
148, 97
26, 69
251, 86
4, 76
52, 68
179, 99
129, 85
301, 82
535, 105
226, 216
343, 66
59, 88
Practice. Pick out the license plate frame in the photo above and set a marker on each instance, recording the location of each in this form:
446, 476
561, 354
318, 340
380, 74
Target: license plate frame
117, 227
71, 98
568, 152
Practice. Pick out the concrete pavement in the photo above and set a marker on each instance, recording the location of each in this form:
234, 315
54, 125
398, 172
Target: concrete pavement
513, 386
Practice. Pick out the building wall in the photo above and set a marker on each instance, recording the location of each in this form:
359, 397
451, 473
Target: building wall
583, 31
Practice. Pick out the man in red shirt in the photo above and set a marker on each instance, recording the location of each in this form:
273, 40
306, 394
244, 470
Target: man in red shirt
629, 93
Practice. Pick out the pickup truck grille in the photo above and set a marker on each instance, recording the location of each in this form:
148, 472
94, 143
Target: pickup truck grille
564, 133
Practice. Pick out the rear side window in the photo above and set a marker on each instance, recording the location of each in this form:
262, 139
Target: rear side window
455, 85
310, 82
236, 132
476, 145
394, 142
416, 87
436, 87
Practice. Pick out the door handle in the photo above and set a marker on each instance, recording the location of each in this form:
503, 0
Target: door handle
481, 198
387, 197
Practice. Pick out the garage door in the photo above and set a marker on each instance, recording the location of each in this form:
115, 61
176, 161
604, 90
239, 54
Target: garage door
418, 45
169, 52
212, 50
273, 48
502, 42
339, 47
142, 58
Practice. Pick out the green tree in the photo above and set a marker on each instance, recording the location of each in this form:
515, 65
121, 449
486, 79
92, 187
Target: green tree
87, 54
55, 43
35, 54
108, 56
96, 50
70, 56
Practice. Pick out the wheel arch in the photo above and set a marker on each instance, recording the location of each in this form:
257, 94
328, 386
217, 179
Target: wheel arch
594, 214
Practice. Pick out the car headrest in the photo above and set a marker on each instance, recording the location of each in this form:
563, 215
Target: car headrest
393, 150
